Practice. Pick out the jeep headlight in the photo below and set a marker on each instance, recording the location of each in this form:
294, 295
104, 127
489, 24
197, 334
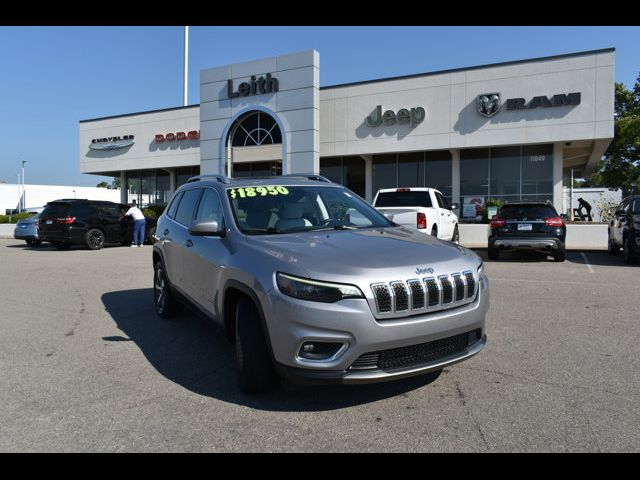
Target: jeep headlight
315, 291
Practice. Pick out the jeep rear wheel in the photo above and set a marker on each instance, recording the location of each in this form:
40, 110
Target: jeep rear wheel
255, 369
94, 239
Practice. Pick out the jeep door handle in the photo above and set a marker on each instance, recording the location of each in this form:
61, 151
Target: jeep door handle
189, 243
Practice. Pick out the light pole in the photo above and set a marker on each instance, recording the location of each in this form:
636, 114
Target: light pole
24, 196
19, 193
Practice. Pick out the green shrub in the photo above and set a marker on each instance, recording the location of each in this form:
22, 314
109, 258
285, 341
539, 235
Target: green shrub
153, 211
14, 218
493, 202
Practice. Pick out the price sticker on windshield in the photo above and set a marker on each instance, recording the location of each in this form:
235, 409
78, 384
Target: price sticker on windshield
248, 192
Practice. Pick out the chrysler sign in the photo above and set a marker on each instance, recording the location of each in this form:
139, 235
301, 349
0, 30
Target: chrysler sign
111, 143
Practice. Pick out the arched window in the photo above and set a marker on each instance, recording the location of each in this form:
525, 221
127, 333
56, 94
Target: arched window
255, 128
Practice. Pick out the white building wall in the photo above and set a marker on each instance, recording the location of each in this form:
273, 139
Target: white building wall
39, 195
452, 120
145, 152
295, 106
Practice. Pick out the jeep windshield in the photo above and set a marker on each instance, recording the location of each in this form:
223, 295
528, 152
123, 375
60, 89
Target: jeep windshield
273, 209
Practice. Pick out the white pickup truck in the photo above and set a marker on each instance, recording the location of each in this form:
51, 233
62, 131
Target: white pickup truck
425, 209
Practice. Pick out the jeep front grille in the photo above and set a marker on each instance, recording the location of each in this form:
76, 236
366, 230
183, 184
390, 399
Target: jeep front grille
416, 355
428, 294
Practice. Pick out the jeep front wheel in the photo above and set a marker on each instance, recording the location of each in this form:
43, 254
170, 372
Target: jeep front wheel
255, 369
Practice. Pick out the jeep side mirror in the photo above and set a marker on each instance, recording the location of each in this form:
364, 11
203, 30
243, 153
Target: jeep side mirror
207, 228
455, 206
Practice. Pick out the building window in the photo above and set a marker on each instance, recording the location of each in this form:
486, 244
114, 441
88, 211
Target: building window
163, 192
438, 175
185, 173
385, 171
347, 171
414, 169
505, 173
474, 172
255, 128
411, 169
537, 172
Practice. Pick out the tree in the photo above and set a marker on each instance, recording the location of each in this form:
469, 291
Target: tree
103, 185
620, 167
115, 184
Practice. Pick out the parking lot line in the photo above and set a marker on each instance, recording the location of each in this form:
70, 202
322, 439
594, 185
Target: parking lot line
587, 262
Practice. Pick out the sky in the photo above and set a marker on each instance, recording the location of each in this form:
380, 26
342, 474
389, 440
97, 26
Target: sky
53, 77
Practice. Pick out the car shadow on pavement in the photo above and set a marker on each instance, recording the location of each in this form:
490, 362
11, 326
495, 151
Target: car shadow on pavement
193, 353
48, 247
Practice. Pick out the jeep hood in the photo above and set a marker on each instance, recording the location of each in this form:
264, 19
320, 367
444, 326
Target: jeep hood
336, 255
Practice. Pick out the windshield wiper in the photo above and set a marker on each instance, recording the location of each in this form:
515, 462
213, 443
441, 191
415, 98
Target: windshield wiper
256, 231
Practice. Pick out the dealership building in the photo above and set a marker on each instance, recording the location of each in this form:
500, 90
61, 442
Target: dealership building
509, 131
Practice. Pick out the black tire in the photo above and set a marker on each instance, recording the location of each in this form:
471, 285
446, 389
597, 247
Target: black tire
165, 303
629, 257
30, 242
493, 253
255, 369
456, 236
559, 256
434, 232
94, 239
612, 248
36, 243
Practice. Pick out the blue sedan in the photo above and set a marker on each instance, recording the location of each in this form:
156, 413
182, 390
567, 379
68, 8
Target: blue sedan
27, 230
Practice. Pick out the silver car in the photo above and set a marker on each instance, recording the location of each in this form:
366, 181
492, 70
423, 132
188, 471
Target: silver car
27, 230
312, 284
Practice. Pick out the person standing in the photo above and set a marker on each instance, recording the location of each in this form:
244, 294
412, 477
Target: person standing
138, 225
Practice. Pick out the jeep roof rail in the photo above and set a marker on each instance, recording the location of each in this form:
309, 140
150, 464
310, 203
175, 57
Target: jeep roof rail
308, 176
220, 178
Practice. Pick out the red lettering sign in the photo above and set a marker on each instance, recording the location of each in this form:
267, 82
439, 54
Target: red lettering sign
170, 137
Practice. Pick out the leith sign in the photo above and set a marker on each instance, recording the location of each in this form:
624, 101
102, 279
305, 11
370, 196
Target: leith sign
255, 86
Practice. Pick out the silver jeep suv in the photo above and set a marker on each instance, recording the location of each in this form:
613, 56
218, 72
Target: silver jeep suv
314, 285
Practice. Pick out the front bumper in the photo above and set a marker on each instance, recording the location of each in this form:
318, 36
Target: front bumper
292, 322
300, 376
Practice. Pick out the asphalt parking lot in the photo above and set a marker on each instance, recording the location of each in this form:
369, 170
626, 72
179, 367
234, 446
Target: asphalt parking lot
85, 365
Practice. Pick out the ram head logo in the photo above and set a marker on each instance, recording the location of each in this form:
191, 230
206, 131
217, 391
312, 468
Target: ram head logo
488, 104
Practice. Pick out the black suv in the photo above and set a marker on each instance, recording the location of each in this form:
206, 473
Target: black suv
527, 226
88, 222
624, 229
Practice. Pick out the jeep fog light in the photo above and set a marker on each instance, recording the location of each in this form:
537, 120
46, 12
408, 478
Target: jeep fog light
319, 350
306, 289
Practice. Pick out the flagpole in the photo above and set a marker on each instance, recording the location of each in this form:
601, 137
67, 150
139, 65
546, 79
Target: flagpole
186, 63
